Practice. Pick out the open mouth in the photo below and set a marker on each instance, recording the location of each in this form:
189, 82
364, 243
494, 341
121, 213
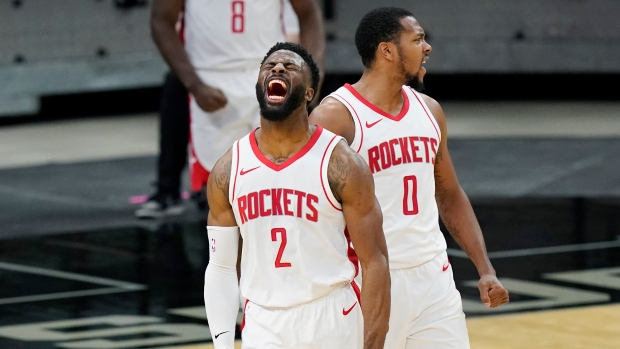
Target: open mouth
276, 90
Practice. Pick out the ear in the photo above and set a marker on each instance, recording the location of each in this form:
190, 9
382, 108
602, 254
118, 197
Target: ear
309, 94
387, 50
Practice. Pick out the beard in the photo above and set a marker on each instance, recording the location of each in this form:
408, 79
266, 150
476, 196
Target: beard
413, 81
280, 112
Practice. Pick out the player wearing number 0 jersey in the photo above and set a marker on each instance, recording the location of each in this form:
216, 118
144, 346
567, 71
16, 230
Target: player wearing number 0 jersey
293, 191
223, 44
400, 150
402, 135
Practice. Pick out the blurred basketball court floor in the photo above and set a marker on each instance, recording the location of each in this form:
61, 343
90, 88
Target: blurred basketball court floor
77, 270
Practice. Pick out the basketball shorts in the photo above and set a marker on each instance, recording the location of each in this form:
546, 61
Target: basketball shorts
212, 134
427, 310
331, 322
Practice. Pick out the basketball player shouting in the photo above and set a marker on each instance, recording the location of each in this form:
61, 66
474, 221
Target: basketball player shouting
402, 135
291, 189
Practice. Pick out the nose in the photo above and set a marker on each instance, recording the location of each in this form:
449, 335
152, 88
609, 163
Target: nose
278, 68
428, 48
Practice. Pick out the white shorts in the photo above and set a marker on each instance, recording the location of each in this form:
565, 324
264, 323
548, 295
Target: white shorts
427, 310
211, 134
331, 322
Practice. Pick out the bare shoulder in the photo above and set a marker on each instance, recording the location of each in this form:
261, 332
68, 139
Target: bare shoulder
220, 210
435, 108
330, 108
219, 179
347, 172
334, 116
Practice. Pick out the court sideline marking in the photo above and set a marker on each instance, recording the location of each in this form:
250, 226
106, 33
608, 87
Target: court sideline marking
542, 250
116, 286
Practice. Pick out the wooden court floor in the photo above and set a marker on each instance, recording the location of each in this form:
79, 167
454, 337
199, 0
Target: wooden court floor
575, 328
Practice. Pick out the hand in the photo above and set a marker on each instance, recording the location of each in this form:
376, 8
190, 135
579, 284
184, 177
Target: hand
492, 293
209, 98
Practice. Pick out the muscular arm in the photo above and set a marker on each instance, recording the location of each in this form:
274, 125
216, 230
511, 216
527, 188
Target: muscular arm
312, 34
353, 185
220, 211
221, 289
334, 116
458, 215
164, 15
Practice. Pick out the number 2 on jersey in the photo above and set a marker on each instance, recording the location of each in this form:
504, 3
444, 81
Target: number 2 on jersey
410, 199
238, 16
274, 237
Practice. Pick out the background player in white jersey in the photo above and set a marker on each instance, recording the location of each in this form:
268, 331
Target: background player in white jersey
291, 25
292, 189
402, 135
222, 44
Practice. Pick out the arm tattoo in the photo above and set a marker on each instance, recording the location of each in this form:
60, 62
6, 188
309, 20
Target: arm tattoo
338, 172
222, 179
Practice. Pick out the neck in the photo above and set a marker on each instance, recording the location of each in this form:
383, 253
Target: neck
279, 140
382, 89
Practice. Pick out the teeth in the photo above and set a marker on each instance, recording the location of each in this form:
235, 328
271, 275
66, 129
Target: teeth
277, 81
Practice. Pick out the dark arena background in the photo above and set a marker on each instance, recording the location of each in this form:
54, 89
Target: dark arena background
529, 91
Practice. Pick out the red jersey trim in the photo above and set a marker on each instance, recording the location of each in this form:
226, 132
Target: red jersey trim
357, 291
242, 325
321, 174
431, 119
351, 253
403, 110
359, 122
305, 149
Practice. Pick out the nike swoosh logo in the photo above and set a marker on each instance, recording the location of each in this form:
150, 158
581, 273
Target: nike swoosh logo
250, 170
217, 335
445, 267
373, 123
347, 311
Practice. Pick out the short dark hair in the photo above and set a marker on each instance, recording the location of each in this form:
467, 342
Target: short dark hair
379, 25
303, 53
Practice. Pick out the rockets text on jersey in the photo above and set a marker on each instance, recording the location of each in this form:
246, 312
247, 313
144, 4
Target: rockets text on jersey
293, 229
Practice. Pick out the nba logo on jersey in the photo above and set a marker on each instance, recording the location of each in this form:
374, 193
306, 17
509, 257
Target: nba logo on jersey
212, 245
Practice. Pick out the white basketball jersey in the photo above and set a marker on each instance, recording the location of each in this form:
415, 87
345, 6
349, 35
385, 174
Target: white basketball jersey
231, 34
293, 229
400, 151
